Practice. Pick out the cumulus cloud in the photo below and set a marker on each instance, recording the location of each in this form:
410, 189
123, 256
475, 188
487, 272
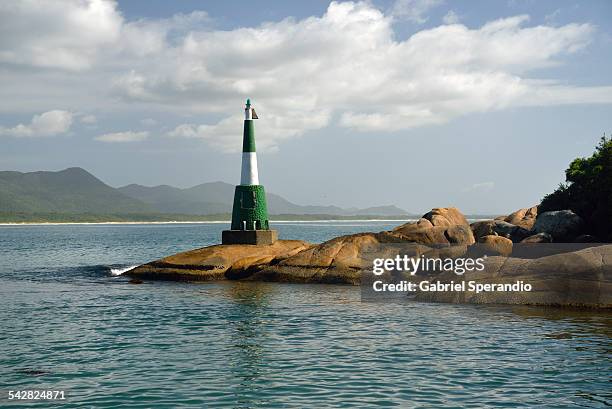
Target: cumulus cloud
225, 135
50, 123
348, 64
120, 137
345, 68
63, 34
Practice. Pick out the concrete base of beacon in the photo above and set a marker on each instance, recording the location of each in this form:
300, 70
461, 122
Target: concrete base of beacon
257, 237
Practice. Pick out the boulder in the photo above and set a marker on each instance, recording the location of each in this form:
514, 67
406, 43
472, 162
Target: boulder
560, 275
423, 223
562, 225
457, 234
339, 261
446, 216
499, 228
496, 245
524, 218
217, 262
538, 238
443, 225
580, 278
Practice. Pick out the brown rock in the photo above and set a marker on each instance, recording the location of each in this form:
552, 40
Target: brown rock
499, 228
439, 226
524, 218
580, 278
218, 262
446, 216
340, 260
483, 228
434, 235
424, 224
496, 245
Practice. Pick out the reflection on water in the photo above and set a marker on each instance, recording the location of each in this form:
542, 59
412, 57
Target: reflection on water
249, 339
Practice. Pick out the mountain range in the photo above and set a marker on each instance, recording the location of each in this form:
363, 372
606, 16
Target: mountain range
76, 191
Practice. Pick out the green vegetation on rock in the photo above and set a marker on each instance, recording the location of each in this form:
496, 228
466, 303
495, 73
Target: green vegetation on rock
587, 191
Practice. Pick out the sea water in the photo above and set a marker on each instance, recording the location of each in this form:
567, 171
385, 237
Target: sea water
70, 321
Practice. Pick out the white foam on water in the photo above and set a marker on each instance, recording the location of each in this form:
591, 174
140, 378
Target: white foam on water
119, 271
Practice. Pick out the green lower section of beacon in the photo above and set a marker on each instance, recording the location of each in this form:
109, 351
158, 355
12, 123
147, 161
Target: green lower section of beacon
250, 211
258, 237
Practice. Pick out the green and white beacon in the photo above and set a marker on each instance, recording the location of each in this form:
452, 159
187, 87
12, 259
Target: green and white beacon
250, 223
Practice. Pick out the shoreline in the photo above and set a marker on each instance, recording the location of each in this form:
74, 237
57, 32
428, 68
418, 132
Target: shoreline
204, 222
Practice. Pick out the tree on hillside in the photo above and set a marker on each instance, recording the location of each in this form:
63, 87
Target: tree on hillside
587, 191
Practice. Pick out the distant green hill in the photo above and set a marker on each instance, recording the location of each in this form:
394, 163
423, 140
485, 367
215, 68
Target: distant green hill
75, 194
169, 199
72, 190
217, 197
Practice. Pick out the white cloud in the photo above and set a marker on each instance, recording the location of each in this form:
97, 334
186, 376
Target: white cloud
346, 67
450, 18
414, 10
65, 34
50, 123
89, 119
348, 63
225, 135
483, 186
128, 136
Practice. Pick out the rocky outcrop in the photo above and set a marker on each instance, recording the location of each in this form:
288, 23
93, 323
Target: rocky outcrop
443, 225
218, 262
496, 244
560, 275
524, 218
499, 228
340, 261
578, 279
434, 235
446, 216
562, 225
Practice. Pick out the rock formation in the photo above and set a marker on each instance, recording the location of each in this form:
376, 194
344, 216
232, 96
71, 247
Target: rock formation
499, 228
497, 244
217, 262
562, 225
575, 276
576, 279
524, 218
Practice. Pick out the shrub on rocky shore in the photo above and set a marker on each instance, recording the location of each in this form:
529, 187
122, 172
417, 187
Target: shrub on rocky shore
587, 191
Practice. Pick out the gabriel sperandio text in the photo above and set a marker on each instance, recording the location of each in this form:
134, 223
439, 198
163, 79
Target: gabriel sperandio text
459, 266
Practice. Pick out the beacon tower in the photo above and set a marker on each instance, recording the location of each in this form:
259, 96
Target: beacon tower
250, 213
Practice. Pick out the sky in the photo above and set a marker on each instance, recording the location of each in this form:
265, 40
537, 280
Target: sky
417, 103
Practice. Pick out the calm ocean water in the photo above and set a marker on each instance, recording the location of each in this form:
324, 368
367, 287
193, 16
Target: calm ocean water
68, 324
